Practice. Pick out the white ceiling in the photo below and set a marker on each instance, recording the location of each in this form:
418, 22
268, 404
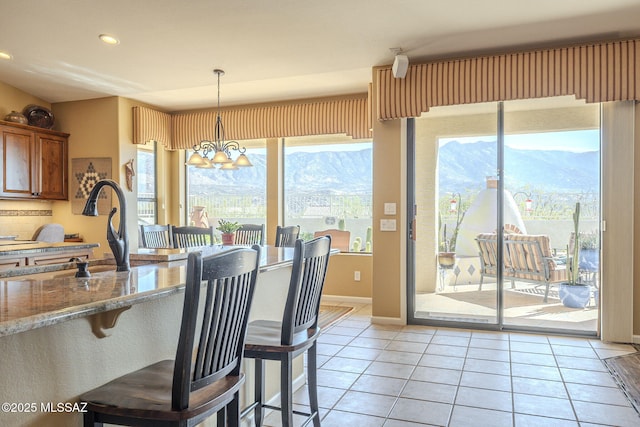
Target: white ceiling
270, 49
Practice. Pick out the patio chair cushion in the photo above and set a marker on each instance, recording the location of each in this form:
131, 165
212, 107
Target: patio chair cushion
531, 256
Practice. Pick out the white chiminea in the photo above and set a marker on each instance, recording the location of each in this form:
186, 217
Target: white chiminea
481, 217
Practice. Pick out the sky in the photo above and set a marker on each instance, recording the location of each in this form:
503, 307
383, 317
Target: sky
576, 141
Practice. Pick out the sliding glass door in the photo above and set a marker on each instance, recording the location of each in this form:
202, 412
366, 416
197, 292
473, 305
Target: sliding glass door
495, 188
552, 164
455, 200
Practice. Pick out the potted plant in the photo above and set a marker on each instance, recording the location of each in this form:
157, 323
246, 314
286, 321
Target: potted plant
228, 230
447, 247
572, 293
447, 254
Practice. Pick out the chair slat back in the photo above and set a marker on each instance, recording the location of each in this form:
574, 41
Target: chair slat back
156, 236
230, 278
250, 234
310, 261
190, 237
286, 236
488, 252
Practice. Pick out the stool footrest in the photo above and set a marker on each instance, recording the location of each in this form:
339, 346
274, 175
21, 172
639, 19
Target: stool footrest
254, 405
248, 409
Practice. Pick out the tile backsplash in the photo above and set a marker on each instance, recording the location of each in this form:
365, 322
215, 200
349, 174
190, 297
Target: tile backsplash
22, 219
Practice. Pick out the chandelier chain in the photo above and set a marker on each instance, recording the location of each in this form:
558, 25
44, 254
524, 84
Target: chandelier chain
220, 150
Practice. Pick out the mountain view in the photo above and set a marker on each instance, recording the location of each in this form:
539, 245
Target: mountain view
466, 166
347, 172
462, 167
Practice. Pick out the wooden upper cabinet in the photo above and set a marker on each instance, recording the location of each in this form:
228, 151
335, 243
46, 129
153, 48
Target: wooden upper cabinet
53, 166
34, 163
18, 162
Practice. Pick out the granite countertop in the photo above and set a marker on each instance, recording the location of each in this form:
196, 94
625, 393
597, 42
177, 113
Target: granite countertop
27, 303
28, 247
18, 248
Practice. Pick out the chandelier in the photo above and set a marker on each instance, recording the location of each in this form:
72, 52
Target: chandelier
218, 152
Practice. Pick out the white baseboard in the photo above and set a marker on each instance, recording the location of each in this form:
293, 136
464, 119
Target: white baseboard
341, 298
388, 320
636, 339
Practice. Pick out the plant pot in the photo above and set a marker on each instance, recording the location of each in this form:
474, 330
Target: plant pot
228, 239
589, 259
446, 259
574, 296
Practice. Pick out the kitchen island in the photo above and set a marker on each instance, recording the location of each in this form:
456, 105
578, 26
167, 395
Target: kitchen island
61, 336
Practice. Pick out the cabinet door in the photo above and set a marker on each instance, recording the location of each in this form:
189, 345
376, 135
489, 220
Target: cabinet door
18, 163
52, 153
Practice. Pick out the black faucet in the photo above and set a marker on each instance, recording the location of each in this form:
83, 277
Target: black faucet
118, 241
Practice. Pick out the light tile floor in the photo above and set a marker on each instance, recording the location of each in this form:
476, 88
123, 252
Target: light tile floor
399, 376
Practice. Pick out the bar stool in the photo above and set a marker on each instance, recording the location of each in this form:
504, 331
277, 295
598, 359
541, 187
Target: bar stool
295, 334
205, 377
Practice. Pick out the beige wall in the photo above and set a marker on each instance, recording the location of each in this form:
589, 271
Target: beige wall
275, 196
93, 129
340, 276
388, 178
13, 99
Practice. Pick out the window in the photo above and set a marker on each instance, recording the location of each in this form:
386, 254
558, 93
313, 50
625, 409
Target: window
328, 185
236, 195
146, 182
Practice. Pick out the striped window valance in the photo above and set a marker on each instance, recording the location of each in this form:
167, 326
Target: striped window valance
339, 116
608, 71
151, 125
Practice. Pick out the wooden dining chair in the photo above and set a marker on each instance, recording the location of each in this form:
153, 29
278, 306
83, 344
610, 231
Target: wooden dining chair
250, 234
287, 236
205, 377
156, 236
340, 239
190, 237
296, 333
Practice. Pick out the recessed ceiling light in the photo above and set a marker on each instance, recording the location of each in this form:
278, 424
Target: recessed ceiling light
5, 55
109, 39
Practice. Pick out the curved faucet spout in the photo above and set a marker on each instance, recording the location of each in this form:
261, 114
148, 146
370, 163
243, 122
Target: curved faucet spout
118, 240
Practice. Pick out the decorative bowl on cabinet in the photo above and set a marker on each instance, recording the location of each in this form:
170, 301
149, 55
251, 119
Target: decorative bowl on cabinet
16, 117
38, 116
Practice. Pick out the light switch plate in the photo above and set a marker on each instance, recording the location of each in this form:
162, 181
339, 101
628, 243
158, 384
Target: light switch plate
389, 208
387, 225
